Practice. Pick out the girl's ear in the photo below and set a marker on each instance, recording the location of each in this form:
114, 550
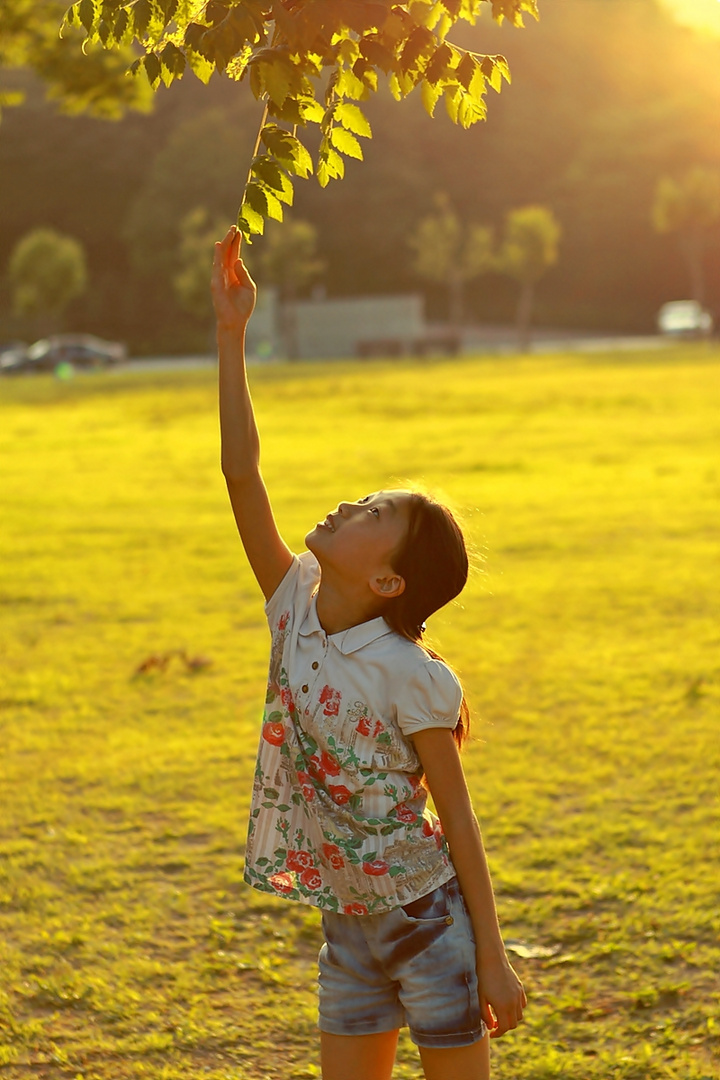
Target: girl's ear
389, 586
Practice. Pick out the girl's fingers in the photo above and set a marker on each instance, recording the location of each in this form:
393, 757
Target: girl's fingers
237, 243
486, 1013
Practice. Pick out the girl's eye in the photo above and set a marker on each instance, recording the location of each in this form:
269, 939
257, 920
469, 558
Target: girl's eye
365, 499
375, 510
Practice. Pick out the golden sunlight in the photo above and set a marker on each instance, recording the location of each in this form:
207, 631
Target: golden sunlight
700, 14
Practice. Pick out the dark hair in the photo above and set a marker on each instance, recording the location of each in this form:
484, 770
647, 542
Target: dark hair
433, 562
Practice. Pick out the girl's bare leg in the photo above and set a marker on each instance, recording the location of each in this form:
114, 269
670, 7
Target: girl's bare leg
458, 1063
358, 1057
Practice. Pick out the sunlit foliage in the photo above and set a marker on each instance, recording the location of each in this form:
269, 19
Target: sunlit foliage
310, 61
529, 249
94, 83
451, 252
47, 270
690, 207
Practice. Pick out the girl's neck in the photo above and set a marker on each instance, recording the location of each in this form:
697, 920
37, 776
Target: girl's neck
339, 609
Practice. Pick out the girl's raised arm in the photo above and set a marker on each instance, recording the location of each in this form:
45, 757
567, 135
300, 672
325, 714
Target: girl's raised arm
234, 292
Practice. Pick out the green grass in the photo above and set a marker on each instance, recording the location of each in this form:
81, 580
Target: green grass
588, 640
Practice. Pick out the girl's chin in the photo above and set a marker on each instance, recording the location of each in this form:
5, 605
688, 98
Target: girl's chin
312, 538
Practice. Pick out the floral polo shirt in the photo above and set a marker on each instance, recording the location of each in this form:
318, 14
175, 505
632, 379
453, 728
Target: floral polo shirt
338, 816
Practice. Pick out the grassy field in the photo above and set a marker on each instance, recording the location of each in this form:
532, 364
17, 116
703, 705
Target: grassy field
588, 639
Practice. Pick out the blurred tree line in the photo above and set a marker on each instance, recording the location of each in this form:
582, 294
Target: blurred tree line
606, 99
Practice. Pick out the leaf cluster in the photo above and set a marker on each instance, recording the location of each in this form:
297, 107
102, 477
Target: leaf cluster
447, 249
691, 202
530, 243
95, 83
311, 62
47, 270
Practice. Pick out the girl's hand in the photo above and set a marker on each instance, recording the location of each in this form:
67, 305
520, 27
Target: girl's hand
502, 997
233, 290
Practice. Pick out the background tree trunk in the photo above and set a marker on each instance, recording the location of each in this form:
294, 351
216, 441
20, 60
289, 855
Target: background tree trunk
524, 314
693, 248
288, 322
457, 306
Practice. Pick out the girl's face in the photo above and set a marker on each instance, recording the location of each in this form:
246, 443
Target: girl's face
357, 541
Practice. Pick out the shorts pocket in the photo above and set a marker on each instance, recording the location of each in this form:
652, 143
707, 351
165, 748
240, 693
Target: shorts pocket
434, 907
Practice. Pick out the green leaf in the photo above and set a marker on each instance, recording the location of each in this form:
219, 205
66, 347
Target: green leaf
377, 54
440, 63
346, 142
193, 36
173, 63
287, 149
277, 79
424, 12
420, 43
348, 51
311, 110
361, 15
466, 70
168, 8
353, 118
349, 85
334, 164
272, 176
142, 14
86, 13
122, 26
429, 95
492, 73
470, 111
274, 206
504, 68
153, 69
201, 67
452, 102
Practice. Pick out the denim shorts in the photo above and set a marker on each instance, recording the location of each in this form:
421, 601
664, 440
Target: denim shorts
413, 966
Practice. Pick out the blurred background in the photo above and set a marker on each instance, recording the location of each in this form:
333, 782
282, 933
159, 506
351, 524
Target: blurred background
612, 103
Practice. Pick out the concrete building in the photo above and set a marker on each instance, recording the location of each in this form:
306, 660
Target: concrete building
336, 329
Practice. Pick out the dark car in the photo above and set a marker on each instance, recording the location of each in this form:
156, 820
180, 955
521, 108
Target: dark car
80, 351
12, 354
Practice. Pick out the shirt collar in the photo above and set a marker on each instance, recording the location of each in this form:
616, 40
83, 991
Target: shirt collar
347, 641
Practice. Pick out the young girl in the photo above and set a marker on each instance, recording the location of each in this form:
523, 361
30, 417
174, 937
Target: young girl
361, 719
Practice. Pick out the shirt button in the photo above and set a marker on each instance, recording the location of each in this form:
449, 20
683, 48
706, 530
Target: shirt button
305, 688
315, 665
449, 920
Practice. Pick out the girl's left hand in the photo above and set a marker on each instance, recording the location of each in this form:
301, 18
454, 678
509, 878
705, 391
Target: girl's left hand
233, 290
502, 997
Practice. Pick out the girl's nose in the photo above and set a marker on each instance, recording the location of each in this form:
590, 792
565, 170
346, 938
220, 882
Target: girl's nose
344, 508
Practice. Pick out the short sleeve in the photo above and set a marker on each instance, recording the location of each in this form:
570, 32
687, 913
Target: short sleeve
294, 590
430, 698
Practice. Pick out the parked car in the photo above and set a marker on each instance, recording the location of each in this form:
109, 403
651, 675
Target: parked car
686, 318
12, 353
78, 350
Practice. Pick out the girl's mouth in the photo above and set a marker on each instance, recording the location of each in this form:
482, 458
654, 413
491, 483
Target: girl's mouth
328, 523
